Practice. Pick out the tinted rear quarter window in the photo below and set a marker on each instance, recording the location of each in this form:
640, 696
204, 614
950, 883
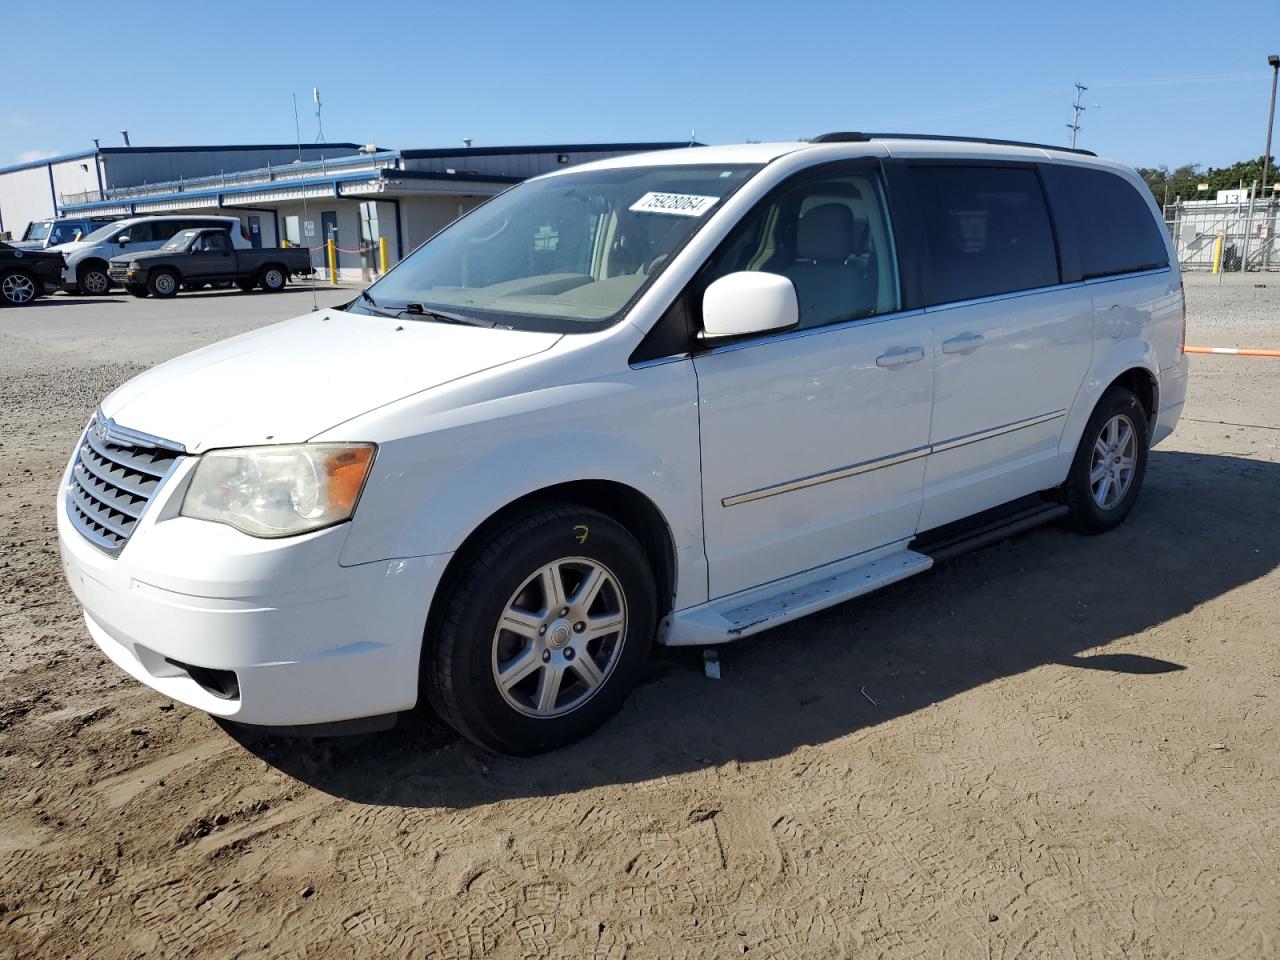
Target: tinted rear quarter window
1115, 230
987, 230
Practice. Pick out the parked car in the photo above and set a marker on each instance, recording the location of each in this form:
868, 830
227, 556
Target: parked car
679, 397
50, 233
194, 258
26, 275
88, 259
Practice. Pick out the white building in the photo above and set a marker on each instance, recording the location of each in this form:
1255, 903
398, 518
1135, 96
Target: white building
356, 195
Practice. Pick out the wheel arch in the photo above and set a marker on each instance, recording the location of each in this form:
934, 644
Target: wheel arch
626, 505
88, 262
1144, 385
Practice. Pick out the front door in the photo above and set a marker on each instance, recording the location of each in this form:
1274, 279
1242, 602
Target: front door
814, 440
1011, 345
211, 257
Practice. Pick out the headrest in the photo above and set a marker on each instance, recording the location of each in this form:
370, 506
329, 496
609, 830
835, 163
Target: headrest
829, 233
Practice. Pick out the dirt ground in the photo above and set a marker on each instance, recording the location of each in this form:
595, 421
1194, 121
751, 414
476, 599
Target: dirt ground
1058, 746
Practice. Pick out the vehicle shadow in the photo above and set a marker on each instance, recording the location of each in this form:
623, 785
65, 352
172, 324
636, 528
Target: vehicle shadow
48, 300
1049, 598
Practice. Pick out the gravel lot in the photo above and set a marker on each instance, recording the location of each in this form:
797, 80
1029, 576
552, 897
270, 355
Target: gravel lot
1058, 746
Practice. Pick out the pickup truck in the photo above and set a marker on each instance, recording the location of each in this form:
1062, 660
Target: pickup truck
28, 274
193, 258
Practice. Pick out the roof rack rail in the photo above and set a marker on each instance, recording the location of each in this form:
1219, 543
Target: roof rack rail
856, 137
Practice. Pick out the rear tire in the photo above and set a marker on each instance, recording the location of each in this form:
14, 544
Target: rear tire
18, 288
163, 284
272, 279
1110, 463
520, 665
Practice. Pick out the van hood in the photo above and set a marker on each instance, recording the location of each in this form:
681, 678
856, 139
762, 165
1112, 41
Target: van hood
291, 381
72, 247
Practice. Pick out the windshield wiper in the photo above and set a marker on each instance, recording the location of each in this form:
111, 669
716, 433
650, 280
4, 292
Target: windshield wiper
418, 310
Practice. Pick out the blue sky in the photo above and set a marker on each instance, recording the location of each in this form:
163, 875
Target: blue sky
1174, 82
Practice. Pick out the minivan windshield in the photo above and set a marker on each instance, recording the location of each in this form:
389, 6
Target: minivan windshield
565, 253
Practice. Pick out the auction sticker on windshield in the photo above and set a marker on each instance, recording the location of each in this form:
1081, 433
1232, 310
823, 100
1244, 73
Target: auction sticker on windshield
681, 204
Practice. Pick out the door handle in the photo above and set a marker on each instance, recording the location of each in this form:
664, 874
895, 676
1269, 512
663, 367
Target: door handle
965, 343
900, 356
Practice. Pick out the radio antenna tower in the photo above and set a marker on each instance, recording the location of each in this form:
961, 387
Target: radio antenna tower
315, 95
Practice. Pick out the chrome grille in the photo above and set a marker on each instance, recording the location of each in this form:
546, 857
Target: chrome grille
115, 474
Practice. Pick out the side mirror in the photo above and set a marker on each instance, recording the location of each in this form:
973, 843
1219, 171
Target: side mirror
123, 240
748, 302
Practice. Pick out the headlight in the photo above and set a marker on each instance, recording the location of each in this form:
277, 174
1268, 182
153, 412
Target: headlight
279, 491
134, 265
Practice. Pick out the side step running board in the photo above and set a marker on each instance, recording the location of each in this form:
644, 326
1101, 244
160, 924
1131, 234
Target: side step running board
773, 604
955, 539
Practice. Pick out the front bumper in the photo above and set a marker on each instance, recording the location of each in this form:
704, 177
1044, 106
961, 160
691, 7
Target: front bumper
272, 632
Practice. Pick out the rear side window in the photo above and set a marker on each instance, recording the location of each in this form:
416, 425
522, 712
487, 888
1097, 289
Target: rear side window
987, 230
1115, 229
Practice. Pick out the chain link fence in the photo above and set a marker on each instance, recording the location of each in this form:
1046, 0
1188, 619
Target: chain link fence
1228, 237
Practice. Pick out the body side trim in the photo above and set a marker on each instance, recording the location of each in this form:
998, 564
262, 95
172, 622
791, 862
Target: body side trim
853, 470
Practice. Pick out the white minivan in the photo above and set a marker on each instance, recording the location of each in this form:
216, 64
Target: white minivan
88, 258
680, 397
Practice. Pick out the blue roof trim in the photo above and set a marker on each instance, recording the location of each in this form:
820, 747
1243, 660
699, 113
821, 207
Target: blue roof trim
217, 148
331, 179
463, 177
544, 148
61, 158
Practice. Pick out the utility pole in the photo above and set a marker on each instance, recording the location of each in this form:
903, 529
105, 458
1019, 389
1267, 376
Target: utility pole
1274, 60
1079, 108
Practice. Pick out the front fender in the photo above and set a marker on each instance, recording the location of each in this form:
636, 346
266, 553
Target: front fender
430, 489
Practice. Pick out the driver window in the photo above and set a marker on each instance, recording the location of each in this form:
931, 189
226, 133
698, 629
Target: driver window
828, 232
212, 243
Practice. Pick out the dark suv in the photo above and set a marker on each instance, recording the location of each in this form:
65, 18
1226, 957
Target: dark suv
28, 274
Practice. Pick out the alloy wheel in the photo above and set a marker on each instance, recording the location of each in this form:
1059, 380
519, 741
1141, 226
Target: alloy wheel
18, 288
1113, 462
560, 637
95, 281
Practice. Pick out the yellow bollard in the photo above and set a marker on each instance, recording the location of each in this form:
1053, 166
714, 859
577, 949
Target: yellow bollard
333, 260
382, 255
1218, 244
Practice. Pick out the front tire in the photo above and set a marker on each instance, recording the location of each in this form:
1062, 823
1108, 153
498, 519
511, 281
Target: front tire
1110, 463
542, 633
18, 288
93, 280
163, 284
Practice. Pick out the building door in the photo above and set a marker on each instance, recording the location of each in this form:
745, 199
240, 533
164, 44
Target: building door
369, 239
255, 231
329, 231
